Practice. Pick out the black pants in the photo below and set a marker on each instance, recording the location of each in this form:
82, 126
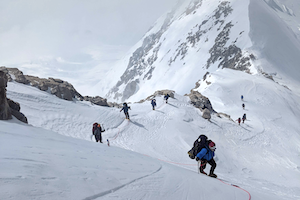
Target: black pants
98, 138
127, 115
213, 164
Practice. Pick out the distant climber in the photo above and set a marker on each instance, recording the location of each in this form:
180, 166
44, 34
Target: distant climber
97, 130
242, 97
206, 155
244, 117
166, 97
125, 109
238, 120
243, 105
153, 103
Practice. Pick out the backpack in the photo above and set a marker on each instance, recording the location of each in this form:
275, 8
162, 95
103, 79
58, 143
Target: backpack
199, 144
244, 117
94, 127
153, 102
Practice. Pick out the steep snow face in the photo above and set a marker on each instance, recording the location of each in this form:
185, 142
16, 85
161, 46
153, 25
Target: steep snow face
276, 39
202, 36
199, 36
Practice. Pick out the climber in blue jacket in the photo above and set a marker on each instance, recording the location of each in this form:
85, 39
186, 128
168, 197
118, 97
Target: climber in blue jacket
206, 155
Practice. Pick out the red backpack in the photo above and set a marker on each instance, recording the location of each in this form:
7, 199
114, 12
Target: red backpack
94, 127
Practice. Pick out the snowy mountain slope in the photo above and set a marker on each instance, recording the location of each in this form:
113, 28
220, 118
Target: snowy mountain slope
40, 164
270, 109
261, 156
276, 39
201, 36
49, 112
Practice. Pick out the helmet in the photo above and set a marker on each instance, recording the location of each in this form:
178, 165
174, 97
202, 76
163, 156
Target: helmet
212, 146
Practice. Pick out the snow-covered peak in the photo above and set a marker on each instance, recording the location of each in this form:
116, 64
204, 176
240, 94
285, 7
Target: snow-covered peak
203, 36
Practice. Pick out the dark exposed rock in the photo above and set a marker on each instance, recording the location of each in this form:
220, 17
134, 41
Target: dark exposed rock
252, 57
13, 105
206, 114
3, 80
62, 92
181, 52
223, 9
229, 57
148, 75
224, 115
7, 106
165, 92
97, 100
20, 116
57, 87
138, 65
5, 112
113, 104
159, 93
200, 101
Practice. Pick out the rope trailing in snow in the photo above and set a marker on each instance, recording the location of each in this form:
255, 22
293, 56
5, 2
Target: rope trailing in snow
236, 187
187, 165
118, 132
198, 173
116, 135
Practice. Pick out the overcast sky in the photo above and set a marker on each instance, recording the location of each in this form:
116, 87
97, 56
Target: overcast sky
70, 31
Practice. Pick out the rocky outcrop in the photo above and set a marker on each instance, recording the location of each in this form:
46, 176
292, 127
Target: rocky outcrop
96, 100
8, 107
206, 114
15, 111
203, 103
5, 112
99, 101
200, 101
159, 93
57, 87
